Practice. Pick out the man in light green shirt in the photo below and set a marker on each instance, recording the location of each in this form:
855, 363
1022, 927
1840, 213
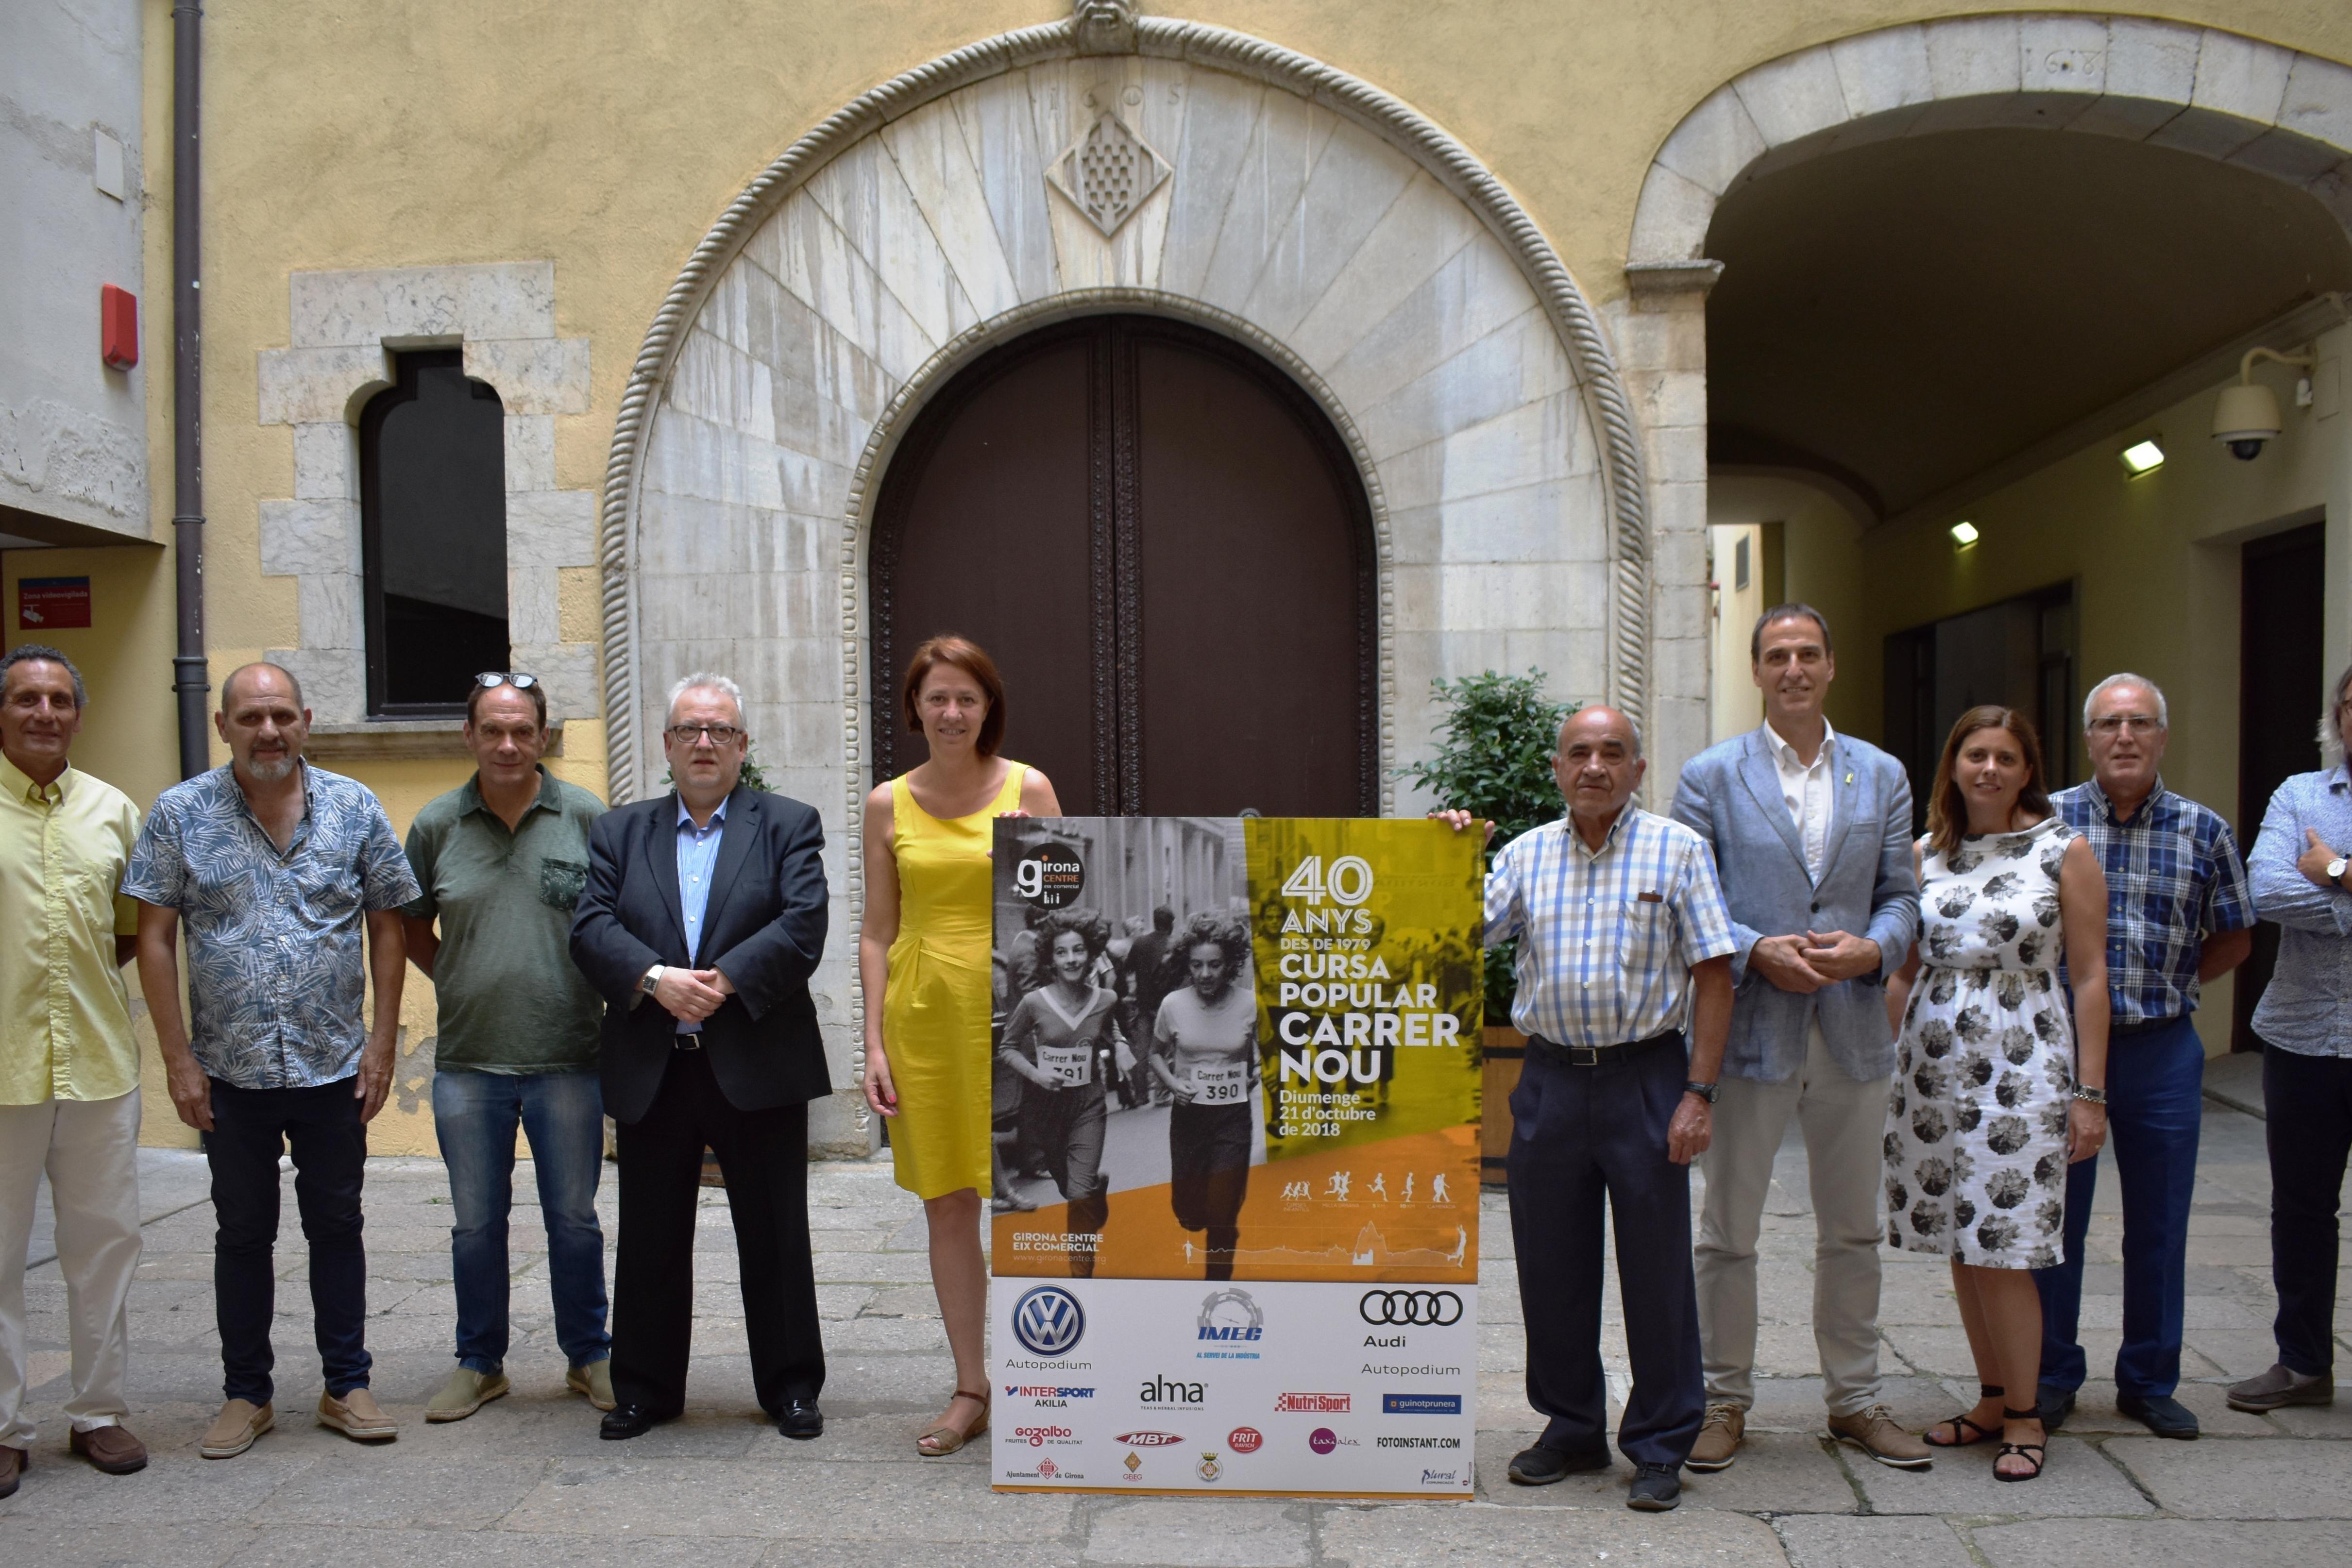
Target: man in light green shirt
68, 1062
501, 861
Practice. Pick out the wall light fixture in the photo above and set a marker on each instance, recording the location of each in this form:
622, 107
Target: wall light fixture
1964, 533
2143, 457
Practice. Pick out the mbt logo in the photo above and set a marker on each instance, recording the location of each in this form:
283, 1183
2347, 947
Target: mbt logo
1170, 1391
1433, 1309
1038, 1437
1245, 1439
1230, 1320
1313, 1404
1148, 1439
1048, 1320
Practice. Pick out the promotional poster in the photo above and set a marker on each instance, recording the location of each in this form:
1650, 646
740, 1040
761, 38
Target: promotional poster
1236, 1088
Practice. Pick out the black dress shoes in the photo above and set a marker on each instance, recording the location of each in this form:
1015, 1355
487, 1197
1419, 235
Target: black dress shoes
1655, 1490
1540, 1466
624, 1421
2161, 1413
2056, 1403
800, 1418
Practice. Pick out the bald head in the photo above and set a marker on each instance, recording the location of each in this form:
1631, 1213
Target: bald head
1598, 766
1599, 718
268, 674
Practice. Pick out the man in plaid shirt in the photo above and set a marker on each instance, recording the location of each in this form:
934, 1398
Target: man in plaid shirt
1625, 943
2178, 913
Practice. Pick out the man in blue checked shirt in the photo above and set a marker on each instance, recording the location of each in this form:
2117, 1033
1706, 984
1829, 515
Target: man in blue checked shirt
2178, 913
1624, 941
2303, 880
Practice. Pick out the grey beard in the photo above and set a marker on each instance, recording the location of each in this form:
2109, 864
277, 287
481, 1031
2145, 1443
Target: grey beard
271, 772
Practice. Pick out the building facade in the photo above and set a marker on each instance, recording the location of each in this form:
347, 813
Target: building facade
1236, 371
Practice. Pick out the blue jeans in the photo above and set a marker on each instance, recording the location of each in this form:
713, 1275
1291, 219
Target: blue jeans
474, 1115
2156, 1083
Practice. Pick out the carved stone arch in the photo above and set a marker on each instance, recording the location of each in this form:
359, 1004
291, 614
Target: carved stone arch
2258, 105
1601, 411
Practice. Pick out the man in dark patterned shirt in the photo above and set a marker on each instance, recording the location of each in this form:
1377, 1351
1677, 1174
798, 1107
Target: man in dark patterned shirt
2178, 913
274, 869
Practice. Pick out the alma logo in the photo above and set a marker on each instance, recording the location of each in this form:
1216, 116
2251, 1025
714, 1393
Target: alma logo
1148, 1439
1245, 1439
1169, 1390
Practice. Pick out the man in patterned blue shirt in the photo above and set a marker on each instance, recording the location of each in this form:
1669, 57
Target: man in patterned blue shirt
1624, 940
2178, 913
273, 867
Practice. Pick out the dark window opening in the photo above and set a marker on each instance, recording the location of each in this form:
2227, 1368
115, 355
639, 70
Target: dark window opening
433, 529
2019, 653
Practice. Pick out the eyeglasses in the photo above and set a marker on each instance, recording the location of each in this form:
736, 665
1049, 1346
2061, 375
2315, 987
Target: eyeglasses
2116, 723
719, 733
489, 680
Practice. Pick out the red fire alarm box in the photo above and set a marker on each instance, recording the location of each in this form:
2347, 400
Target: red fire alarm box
118, 316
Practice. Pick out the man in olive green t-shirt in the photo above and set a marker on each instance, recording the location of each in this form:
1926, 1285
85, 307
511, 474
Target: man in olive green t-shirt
501, 860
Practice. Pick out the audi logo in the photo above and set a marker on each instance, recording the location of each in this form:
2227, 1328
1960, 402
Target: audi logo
1431, 1308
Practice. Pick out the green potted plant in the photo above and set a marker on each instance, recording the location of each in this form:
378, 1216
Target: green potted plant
1494, 759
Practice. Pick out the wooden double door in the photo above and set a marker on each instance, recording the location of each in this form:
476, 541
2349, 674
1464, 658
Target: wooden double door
1163, 544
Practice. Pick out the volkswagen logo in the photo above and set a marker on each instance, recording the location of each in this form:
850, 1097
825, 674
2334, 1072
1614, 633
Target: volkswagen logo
1049, 1321
1433, 1309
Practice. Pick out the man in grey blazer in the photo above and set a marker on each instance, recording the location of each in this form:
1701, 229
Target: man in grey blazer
1812, 834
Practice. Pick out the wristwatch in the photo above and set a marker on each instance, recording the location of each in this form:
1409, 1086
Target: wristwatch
651, 979
2336, 869
1706, 1091
2090, 1096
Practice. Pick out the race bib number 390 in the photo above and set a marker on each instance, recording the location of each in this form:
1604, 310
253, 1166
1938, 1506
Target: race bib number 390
1220, 1085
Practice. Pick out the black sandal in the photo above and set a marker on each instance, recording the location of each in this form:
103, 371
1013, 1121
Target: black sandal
2036, 1454
1961, 1425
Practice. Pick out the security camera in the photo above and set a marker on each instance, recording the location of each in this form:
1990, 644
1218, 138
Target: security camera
2248, 413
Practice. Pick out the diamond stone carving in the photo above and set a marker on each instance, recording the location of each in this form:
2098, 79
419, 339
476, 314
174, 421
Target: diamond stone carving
1108, 173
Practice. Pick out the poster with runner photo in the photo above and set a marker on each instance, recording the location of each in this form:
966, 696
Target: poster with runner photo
1235, 1052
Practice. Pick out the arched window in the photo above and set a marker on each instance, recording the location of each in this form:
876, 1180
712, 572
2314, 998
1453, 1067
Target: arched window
433, 527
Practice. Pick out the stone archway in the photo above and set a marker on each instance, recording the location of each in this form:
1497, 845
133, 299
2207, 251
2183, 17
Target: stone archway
1257, 193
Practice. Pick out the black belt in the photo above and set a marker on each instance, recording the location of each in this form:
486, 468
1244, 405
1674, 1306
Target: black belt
2140, 1026
1599, 1055
686, 1041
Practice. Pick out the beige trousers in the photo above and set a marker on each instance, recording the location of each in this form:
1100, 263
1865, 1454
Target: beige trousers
1845, 1125
90, 1150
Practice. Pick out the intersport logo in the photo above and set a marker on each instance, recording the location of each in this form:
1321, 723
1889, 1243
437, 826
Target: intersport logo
1044, 1391
1426, 1309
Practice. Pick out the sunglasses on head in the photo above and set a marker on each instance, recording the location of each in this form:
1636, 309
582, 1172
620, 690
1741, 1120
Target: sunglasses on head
489, 679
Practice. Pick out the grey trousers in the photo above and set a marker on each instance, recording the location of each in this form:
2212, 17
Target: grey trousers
1844, 1124
89, 1148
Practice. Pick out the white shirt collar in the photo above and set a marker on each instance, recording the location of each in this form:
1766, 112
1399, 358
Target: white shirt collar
1788, 753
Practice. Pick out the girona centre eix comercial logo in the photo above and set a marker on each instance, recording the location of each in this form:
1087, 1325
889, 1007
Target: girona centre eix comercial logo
1049, 1321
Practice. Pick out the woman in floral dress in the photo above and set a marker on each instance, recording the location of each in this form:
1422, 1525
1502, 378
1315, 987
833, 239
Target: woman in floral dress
1995, 1091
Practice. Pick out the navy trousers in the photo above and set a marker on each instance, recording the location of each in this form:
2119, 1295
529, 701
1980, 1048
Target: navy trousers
2156, 1087
1581, 1136
2309, 1102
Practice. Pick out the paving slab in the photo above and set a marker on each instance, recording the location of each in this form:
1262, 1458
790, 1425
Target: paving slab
2222, 1477
834, 1501
2162, 1544
1902, 1540
1411, 1535
1207, 1533
2095, 1413
2078, 1479
1775, 1472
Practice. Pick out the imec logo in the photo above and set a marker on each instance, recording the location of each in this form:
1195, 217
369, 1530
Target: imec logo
1229, 1320
1148, 1439
1245, 1439
1036, 1436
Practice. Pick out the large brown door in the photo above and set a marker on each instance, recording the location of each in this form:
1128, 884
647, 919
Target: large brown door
2281, 658
1163, 542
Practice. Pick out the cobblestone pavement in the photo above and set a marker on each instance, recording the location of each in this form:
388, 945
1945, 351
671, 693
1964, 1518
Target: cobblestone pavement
526, 1480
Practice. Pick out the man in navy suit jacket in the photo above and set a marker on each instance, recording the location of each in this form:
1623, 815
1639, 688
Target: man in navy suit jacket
703, 918
1812, 834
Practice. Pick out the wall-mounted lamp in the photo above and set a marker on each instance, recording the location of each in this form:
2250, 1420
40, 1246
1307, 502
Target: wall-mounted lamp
2248, 413
1964, 533
2143, 457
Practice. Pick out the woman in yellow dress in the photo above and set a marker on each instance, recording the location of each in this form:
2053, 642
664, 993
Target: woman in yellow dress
923, 964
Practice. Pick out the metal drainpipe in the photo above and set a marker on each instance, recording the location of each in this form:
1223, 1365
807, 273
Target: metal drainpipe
190, 679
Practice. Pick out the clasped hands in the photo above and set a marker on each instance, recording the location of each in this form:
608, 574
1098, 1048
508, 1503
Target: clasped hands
1806, 962
691, 996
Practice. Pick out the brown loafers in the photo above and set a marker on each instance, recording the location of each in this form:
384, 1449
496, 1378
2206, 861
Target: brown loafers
110, 1449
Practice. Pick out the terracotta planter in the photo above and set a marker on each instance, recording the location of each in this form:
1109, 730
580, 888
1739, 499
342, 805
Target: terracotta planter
1506, 1051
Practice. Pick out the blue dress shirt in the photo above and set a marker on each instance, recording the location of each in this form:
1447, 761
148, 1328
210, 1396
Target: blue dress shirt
698, 856
2307, 1007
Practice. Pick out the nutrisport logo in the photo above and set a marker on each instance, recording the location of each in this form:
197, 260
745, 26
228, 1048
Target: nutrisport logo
1049, 1321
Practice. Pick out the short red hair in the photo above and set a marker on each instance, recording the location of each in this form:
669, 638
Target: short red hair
969, 657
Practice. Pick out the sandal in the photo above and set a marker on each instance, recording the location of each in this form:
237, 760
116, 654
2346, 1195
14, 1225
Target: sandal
2035, 1454
1961, 1425
938, 1442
